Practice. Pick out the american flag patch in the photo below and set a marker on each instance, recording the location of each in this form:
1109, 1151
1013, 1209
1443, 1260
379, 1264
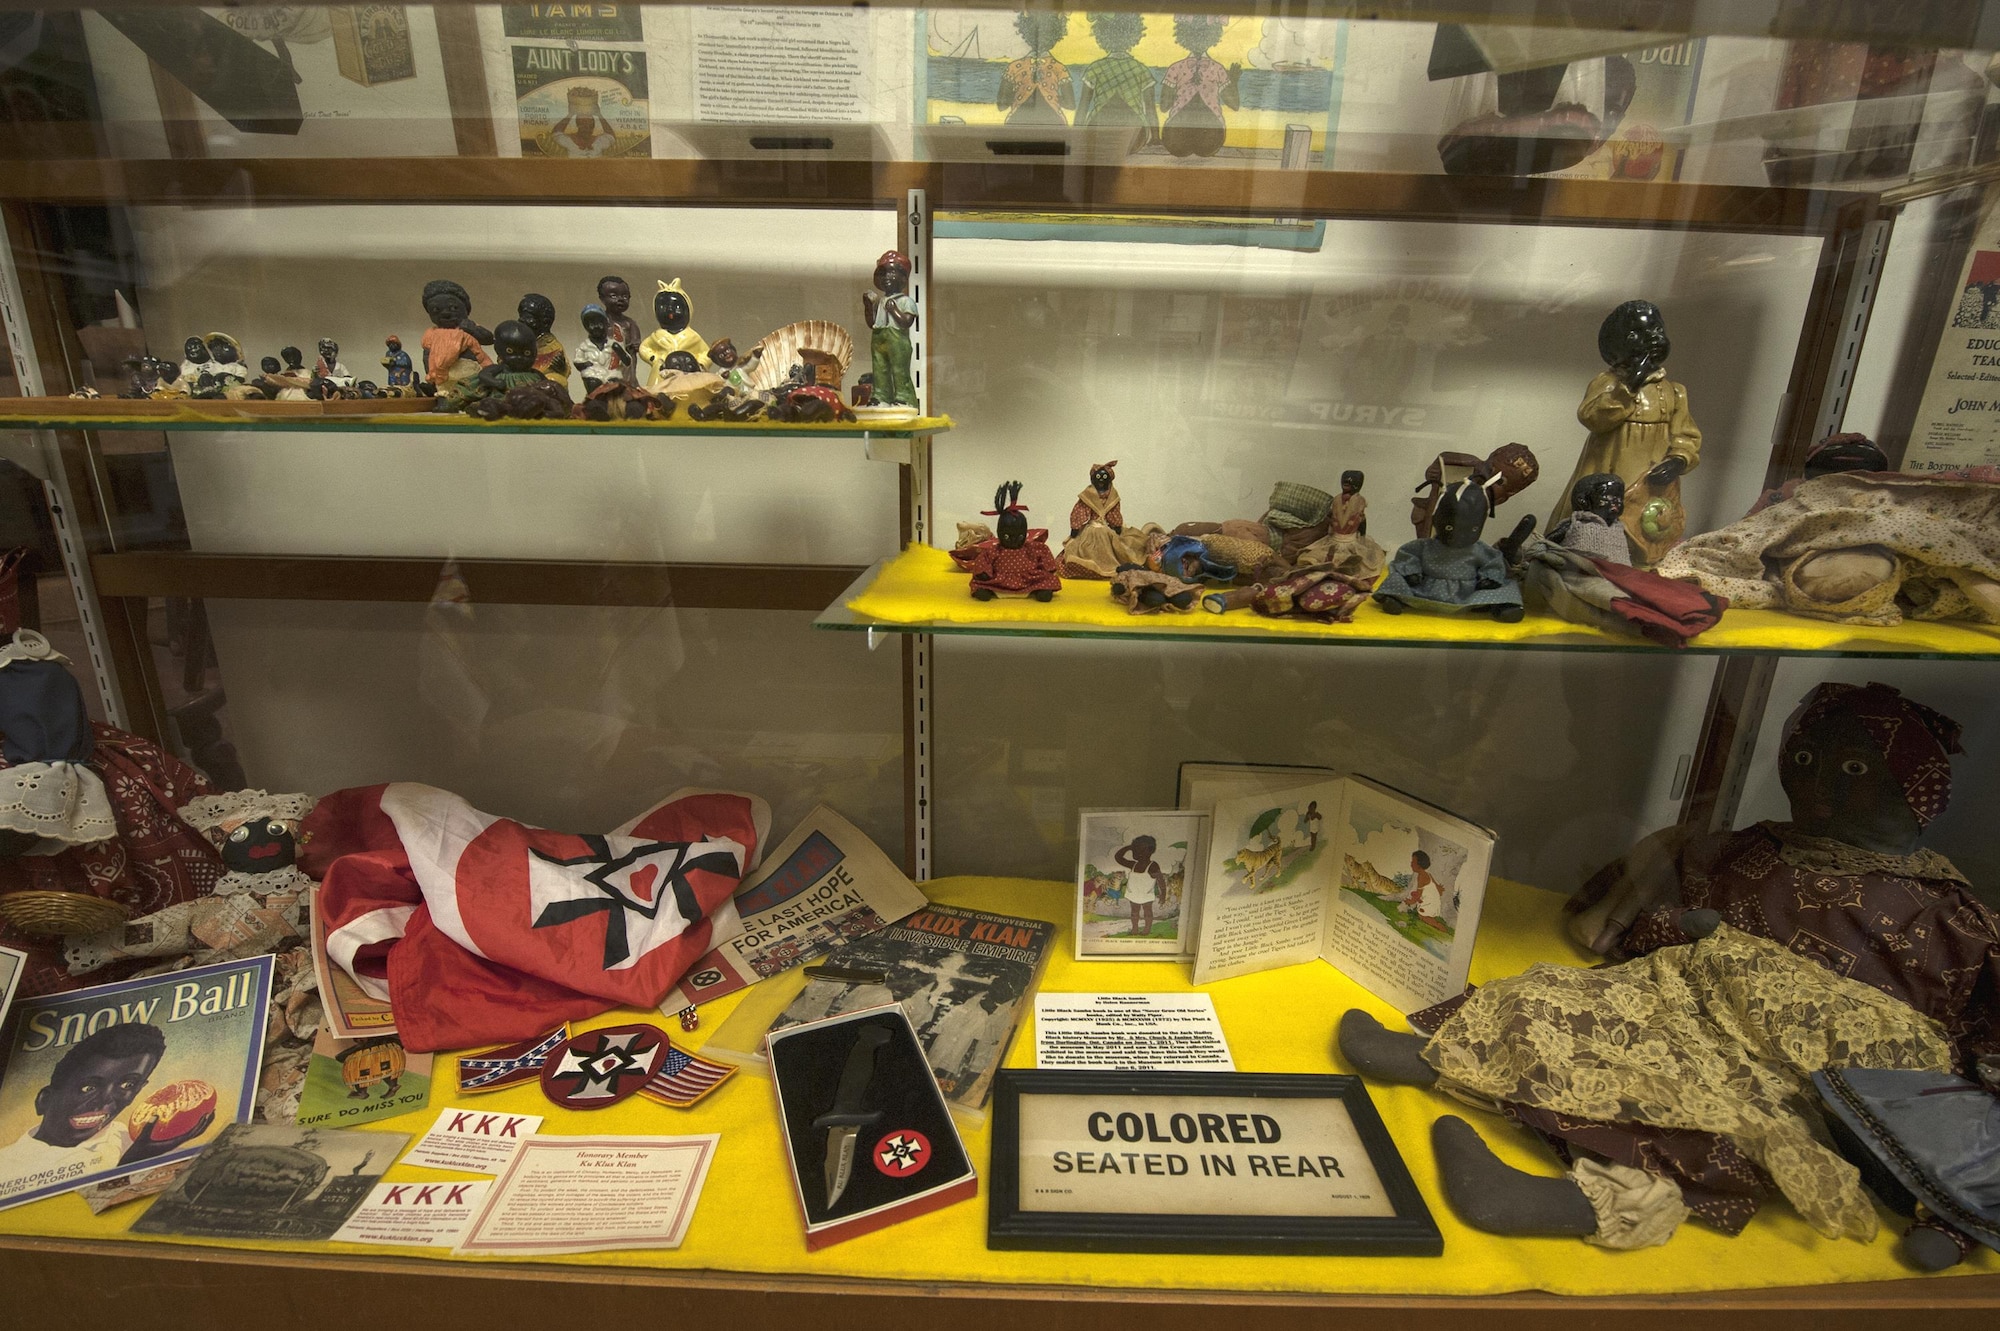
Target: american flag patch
510, 1064
684, 1079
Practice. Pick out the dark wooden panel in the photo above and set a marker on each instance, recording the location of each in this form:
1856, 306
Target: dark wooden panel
164, 1288
807, 587
1936, 23
1005, 186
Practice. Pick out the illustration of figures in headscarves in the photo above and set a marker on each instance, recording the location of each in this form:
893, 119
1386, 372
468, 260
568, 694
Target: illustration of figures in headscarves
1118, 90
1198, 87
1036, 89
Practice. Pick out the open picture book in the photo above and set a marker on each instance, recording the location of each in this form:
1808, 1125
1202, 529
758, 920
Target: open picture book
1305, 864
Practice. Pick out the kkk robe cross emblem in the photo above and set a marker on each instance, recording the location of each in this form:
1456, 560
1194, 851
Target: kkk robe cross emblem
630, 888
903, 1153
599, 1068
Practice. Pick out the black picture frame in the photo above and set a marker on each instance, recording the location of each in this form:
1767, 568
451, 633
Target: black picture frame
1409, 1232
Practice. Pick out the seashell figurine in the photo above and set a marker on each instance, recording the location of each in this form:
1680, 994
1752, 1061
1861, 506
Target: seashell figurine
824, 346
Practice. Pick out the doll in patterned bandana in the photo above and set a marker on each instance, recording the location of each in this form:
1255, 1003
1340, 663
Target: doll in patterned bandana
1682, 1080
1018, 561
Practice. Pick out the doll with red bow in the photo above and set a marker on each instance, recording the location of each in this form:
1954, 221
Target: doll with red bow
1016, 562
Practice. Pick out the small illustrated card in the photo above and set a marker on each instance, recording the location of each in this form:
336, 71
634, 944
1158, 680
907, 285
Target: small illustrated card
1138, 882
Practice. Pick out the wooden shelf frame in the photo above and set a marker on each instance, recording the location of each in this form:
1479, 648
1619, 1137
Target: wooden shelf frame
1949, 24
1194, 191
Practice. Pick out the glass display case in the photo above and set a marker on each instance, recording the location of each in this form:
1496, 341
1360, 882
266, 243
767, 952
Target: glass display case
1518, 411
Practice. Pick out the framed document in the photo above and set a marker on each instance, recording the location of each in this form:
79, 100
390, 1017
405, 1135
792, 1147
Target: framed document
1199, 1162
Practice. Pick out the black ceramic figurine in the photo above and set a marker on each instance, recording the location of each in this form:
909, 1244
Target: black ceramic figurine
330, 378
615, 294
1640, 430
513, 387
676, 319
454, 346
600, 359
539, 313
891, 313
399, 374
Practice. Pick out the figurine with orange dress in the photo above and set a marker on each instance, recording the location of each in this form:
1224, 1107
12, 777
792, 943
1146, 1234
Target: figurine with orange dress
454, 346
1018, 561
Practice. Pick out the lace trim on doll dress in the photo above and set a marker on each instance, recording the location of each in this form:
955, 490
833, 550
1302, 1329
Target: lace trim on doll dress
291, 878
60, 801
239, 806
1826, 855
1719, 1036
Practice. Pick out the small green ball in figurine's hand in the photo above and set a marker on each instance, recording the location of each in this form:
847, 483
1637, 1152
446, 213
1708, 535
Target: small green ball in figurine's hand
1656, 519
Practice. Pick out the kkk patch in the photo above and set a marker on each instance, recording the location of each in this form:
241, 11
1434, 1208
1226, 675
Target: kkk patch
600, 1068
902, 1153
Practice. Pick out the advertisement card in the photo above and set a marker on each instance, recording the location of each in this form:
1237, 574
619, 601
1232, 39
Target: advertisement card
144, 1071
582, 101
350, 1082
592, 1194
273, 1181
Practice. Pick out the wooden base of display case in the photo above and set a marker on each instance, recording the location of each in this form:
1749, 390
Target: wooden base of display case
52, 1283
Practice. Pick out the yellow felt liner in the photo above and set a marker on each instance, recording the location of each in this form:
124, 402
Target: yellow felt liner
922, 586
1277, 1021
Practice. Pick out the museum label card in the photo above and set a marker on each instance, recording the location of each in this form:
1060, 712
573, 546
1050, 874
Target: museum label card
592, 1194
1130, 1032
473, 1142
415, 1215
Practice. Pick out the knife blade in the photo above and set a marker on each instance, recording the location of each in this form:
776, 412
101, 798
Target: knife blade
844, 1121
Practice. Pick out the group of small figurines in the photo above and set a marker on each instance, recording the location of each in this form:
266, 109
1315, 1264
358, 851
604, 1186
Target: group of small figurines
1310, 556
792, 375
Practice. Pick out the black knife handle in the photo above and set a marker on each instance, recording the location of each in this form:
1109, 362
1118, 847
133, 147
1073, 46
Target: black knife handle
860, 1069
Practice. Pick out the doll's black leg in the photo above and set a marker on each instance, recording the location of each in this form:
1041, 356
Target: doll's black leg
1495, 1197
1391, 604
982, 594
1382, 1054
1509, 614
1043, 596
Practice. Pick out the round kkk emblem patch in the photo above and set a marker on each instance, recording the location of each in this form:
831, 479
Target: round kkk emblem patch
902, 1153
602, 1067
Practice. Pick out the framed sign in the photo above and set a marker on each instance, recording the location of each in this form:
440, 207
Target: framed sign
1199, 1162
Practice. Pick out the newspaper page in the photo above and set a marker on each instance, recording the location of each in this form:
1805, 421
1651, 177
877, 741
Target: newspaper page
826, 885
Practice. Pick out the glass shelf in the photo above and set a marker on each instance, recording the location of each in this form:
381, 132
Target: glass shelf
61, 413
919, 591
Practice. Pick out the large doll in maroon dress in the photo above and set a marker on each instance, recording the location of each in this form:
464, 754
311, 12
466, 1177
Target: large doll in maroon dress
1845, 885
89, 833
1018, 561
